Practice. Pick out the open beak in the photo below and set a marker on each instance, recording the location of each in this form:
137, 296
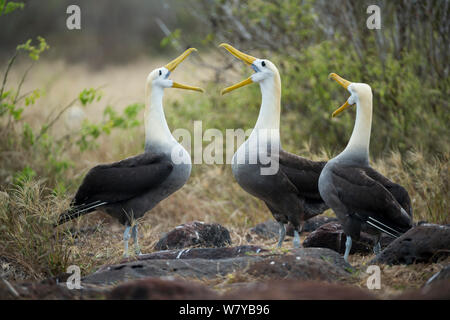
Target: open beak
174, 63
248, 59
345, 84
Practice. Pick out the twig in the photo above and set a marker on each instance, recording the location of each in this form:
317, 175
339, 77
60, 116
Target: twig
11, 61
45, 128
10, 287
22, 81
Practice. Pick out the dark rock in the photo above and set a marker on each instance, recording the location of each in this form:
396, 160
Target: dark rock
303, 264
322, 254
195, 268
298, 290
44, 290
161, 289
202, 253
270, 228
424, 243
316, 222
195, 234
266, 230
332, 236
443, 275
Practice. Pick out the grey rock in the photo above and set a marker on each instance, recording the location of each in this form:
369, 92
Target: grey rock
303, 264
316, 222
424, 243
192, 268
195, 234
202, 253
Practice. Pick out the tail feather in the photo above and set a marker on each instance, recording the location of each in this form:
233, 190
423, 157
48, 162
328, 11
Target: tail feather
383, 227
78, 211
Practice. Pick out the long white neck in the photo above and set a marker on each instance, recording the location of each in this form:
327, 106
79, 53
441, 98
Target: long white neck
358, 146
157, 132
269, 113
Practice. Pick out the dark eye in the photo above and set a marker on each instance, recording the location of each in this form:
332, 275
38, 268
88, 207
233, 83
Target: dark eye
263, 63
160, 72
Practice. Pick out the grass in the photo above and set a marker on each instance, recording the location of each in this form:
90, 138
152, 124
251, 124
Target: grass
29, 243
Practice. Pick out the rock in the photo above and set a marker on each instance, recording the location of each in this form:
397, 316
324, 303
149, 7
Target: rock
202, 253
424, 243
266, 230
44, 290
270, 228
195, 234
332, 236
316, 222
443, 275
303, 264
298, 290
194, 262
162, 289
194, 268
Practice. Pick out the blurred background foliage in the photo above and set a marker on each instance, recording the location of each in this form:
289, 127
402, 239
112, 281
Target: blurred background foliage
406, 62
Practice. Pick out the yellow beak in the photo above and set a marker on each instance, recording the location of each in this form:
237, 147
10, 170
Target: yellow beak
174, 63
345, 84
185, 87
242, 56
237, 85
342, 108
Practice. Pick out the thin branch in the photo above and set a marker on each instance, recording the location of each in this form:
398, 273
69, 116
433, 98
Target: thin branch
22, 81
44, 129
5, 77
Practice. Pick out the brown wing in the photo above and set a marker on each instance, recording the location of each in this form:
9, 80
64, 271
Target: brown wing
302, 173
399, 193
123, 180
365, 196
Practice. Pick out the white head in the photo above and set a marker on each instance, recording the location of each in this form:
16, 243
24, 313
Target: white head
265, 71
159, 78
358, 92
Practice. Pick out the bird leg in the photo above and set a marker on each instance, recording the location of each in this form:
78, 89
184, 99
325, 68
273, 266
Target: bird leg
377, 246
348, 246
126, 237
296, 242
282, 234
134, 234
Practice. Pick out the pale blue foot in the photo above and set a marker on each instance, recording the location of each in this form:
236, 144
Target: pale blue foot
296, 241
348, 246
126, 238
282, 234
134, 234
377, 248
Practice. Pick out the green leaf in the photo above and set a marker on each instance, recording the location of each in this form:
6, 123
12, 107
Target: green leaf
8, 7
34, 52
87, 96
21, 177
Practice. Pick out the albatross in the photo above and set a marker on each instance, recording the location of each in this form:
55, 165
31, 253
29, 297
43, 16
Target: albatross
287, 183
359, 195
128, 189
